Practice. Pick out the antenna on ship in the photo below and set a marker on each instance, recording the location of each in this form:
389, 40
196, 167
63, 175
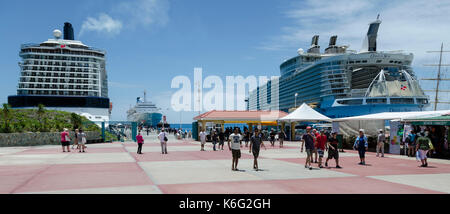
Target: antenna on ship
438, 79
145, 96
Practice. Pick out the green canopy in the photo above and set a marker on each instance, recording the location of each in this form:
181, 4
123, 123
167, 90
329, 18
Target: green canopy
440, 120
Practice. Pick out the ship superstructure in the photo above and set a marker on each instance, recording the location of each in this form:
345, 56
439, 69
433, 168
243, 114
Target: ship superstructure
144, 112
341, 82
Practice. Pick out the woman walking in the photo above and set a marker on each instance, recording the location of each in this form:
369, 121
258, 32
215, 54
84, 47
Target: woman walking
423, 145
65, 140
140, 142
75, 141
281, 136
82, 141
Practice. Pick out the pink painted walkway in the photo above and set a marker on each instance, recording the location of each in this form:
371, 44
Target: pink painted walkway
116, 168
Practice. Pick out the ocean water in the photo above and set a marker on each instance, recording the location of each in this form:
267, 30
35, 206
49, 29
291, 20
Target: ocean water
188, 127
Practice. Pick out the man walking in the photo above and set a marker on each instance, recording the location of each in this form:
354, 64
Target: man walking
333, 152
255, 144
423, 145
235, 148
361, 144
380, 142
308, 140
411, 141
316, 134
320, 146
163, 139
202, 136
221, 139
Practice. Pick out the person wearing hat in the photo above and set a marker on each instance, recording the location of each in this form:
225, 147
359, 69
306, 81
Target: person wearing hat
320, 146
308, 140
65, 140
411, 141
333, 152
361, 144
315, 153
381, 138
423, 145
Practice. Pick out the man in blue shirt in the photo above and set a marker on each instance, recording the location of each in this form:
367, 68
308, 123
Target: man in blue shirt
361, 144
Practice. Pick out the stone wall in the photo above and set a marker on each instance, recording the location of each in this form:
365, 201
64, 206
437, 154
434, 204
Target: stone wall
43, 138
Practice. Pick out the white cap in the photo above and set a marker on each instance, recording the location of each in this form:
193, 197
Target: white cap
381, 130
361, 130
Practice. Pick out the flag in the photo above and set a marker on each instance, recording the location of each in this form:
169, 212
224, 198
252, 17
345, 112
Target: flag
63, 46
403, 87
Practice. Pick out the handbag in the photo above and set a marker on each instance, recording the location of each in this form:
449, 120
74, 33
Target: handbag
67, 138
165, 138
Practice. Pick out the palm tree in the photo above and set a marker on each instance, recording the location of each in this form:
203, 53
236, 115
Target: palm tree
76, 120
40, 112
6, 113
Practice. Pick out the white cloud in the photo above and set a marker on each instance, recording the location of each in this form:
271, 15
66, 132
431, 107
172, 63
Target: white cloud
102, 24
145, 12
128, 14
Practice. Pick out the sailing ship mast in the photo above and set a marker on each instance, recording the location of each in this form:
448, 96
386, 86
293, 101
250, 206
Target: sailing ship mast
438, 79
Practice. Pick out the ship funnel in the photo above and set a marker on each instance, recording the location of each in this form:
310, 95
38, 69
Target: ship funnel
68, 31
370, 42
315, 48
333, 41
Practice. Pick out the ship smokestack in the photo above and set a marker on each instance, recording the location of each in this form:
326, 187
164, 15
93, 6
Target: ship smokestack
333, 41
68, 31
315, 48
371, 38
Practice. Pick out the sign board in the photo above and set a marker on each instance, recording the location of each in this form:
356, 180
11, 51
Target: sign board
394, 139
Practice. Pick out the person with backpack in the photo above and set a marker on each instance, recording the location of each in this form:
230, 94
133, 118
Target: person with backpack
423, 146
65, 140
163, 139
202, 136
381, 138
411, 141
361, 144
140, 142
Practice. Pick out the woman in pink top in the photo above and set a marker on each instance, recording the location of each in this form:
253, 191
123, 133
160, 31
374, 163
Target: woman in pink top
65, 140
140, 141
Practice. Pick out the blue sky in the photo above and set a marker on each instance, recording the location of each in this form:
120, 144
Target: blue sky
148, 42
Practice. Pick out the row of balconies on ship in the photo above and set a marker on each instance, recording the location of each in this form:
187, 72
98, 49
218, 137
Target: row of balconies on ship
54, 75
58, 80
59, 64
61, 58
54, 52
59, 92
71, 70
56, 86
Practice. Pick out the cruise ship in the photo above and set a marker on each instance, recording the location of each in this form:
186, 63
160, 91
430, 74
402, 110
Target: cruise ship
144, 112
63, 74
340, 82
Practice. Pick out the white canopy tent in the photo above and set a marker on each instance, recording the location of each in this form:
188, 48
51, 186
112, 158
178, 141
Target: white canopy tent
306, 114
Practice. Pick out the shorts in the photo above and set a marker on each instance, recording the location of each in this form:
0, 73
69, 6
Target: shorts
221, 142
255, 153
333, 154
362, 153
423, 154
65, 143
203, 142
236, 153
320, 152
309, 152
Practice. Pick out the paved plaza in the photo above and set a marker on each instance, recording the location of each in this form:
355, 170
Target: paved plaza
116, 168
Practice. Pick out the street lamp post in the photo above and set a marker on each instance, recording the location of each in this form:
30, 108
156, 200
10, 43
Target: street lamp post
296, 94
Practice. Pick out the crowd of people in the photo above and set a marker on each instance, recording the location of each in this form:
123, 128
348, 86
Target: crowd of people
79, 140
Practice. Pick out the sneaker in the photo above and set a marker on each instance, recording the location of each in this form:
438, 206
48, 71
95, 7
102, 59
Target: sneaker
326, 164
310, 167
338, 167
320, 166
426, 165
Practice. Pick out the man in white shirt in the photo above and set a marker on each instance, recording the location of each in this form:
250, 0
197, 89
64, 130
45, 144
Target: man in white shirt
163, 139
235, 148
202, 139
